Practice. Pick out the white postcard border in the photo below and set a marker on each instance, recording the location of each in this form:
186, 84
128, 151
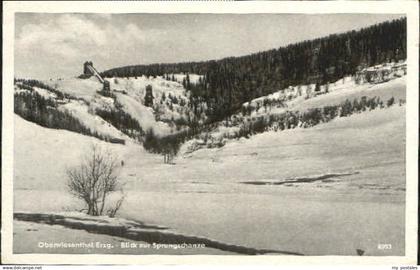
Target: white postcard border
410, 8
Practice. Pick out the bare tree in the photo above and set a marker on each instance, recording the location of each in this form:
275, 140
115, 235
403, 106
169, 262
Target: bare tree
94, 179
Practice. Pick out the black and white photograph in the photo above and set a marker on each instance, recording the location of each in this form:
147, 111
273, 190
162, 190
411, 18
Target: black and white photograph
211, 133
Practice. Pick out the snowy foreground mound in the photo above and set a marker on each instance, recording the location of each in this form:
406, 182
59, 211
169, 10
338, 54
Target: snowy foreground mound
142, 236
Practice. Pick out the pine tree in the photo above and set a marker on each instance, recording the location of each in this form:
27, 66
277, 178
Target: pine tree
148, 98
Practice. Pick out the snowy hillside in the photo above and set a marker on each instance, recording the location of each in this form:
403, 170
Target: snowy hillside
350, 167
299, 101
193, 78
39, 147
170, 111
85, 89
307, 96
170, 99
170, 102
81, 98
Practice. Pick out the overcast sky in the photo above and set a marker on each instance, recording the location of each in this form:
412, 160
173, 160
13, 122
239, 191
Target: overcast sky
56, 45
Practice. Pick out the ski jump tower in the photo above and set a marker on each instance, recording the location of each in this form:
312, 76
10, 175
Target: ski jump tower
89, 71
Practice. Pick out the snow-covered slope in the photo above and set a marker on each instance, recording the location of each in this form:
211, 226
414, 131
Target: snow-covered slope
281, 102
365, 152
170, 109
341, 180
194, 78
393, 88
170, 101
350, 87
80, 110
83, 99
42, 154
82, 88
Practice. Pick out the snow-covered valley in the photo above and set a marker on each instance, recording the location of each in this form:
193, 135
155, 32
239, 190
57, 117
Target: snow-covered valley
327, 189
